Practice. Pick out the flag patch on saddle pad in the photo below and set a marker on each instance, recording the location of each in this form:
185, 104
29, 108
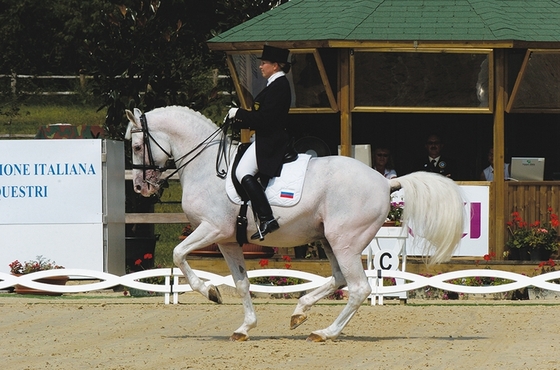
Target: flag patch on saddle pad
287, 194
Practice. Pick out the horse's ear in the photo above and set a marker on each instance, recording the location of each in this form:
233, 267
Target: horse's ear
134, 122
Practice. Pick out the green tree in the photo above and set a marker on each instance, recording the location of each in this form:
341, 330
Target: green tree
149, 54
141, 53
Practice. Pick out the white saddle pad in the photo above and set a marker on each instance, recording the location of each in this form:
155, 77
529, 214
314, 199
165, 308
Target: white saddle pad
283, 191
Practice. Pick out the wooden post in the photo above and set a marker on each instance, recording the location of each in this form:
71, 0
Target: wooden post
498, 211
13, 82
344, 103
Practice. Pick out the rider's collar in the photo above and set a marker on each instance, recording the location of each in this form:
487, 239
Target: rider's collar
274, 77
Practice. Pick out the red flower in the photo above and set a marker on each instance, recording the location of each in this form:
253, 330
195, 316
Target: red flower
288, 266
263, 262
148, 256
287, 258
138, 262
487, 257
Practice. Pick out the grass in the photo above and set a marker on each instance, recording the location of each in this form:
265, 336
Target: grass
34, 114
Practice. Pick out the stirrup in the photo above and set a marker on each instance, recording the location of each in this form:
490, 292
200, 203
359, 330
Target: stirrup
265, 228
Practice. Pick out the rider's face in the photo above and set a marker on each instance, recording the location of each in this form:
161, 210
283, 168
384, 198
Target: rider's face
268, 68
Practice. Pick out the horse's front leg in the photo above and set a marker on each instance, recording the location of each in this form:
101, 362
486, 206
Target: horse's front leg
200, 238
233, 255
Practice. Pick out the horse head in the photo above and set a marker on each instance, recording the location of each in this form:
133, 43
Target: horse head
150, 154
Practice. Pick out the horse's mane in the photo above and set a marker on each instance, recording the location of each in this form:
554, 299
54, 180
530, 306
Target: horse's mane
184, 111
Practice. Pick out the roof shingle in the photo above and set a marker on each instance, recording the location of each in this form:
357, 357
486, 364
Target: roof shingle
386, 20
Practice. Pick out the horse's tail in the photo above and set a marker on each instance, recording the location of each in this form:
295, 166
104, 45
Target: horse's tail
434, 211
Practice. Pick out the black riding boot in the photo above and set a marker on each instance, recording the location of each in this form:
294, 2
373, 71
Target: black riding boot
261, 206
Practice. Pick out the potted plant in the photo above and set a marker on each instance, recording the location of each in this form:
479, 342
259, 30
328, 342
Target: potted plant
394, 218
38, 264
539, 293
535, 241
145, 263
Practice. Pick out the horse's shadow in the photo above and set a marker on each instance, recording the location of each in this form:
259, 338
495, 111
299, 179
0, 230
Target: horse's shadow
341, 338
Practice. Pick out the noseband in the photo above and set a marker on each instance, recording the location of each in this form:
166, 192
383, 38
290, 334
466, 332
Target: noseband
147, 137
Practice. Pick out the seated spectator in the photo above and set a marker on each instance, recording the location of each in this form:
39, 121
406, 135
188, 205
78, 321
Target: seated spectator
488, 173
434, 161
383, 162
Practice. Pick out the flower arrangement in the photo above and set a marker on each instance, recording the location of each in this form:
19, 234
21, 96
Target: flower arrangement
546, 267
276, 280
282, 281
140, 263
395, 213
39, 264
533, 236
397, 208
534, 292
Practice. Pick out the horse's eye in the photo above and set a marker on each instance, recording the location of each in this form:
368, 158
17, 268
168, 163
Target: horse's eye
137, 148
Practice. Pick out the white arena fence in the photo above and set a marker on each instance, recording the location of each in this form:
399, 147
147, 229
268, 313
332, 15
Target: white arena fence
174, 285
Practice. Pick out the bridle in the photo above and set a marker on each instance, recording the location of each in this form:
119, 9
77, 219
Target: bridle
147, 138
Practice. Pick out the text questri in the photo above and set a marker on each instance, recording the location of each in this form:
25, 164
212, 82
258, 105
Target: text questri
12, 170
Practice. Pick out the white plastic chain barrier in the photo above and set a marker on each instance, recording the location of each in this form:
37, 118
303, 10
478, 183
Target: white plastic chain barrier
172, 285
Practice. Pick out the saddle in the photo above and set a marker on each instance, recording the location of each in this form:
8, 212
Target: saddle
238, 195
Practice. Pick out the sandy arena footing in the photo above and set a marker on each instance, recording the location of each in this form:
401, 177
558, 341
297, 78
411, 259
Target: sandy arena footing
110, 331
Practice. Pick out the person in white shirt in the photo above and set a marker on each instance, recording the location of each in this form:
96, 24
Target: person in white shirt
383, 162
488, 173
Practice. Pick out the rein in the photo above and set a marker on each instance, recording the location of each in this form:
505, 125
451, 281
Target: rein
147, 137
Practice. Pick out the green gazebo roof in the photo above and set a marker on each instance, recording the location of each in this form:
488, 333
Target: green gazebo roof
455, 21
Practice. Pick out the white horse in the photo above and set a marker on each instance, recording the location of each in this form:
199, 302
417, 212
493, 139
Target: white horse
343, 204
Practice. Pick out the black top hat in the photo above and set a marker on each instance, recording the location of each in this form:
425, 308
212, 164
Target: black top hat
274, 54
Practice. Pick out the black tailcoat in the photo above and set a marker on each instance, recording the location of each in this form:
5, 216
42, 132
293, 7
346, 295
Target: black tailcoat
268, 118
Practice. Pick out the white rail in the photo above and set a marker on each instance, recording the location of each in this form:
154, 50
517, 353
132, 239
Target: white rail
173, 285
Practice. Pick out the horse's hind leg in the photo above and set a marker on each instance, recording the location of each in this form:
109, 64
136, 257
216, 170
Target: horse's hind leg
233, 255
358, 291
305, 302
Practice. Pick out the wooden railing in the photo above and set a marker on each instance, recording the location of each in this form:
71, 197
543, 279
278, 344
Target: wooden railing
532, 199
14, 77
154, 218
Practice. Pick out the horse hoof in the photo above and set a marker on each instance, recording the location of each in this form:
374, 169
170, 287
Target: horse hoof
214, 295
315, 338
239, 337
297, 320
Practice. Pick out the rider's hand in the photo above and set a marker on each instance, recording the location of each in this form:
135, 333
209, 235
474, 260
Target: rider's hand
232, 112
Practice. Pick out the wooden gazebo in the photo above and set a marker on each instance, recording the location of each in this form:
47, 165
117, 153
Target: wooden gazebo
481, 74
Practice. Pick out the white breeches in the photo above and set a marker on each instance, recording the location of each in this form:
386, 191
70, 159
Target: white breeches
248, 163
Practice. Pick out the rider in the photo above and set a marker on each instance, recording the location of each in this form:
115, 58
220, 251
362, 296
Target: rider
267, 118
